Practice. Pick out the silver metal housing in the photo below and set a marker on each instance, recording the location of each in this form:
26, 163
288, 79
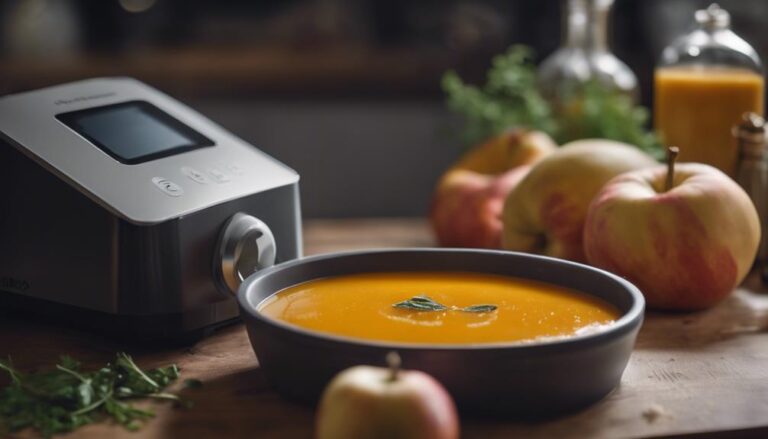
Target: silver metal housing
91, 241
207, 176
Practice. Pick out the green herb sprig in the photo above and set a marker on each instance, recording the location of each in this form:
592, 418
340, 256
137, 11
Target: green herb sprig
420, 303
426, 303
511, 97
479, 308
66, 397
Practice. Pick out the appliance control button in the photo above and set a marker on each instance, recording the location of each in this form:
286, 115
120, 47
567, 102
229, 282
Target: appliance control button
218, 176
235, 169
195, 175
167, 186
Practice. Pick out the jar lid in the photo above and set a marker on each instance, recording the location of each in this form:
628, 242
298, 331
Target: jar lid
713, 18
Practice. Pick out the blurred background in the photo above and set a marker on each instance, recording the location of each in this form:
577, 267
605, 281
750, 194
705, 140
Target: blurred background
347, 92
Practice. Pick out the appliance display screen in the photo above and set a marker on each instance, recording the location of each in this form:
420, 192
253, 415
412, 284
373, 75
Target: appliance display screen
134, 132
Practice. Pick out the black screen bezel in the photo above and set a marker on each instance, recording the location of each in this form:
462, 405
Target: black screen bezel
70, 119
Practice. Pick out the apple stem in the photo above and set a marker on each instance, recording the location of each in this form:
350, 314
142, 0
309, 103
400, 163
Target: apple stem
394, 362
672, 153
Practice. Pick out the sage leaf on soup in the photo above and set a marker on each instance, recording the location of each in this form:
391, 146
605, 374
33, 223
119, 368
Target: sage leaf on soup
426, 303
480, 308
420, 303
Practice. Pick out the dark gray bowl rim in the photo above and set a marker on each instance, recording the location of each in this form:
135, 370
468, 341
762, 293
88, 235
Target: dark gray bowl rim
626, 323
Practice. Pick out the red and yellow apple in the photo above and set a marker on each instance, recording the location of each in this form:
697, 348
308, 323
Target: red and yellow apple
366, 402
545, 212
687, 247
466, 207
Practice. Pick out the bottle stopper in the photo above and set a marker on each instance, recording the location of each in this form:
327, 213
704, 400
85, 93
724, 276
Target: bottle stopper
714, 17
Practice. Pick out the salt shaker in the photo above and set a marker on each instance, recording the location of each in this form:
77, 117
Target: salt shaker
752, 171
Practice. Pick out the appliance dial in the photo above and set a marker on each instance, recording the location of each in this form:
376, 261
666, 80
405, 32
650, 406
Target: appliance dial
246, 245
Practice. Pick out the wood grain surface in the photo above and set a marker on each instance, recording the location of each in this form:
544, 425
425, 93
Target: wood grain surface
702, 373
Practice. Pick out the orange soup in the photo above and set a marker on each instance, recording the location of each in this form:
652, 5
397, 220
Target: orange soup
438, 307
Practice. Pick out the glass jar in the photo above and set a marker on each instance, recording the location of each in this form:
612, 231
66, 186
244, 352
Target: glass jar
704, 81
584, 55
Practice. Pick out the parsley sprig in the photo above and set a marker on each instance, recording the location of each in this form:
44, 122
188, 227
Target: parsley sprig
66, 397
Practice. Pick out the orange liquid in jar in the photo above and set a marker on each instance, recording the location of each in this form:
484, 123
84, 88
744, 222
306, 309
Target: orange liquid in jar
695, 109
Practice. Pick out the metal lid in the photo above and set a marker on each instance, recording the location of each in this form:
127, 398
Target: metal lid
714, 17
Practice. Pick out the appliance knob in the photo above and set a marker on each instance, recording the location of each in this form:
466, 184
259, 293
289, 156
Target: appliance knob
246, 245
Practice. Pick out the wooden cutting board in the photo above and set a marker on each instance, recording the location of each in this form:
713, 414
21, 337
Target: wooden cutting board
702, 373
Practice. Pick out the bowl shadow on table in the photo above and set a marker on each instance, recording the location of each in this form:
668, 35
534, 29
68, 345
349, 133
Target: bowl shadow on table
546, 426
239, 402
507, 407
236, 405
242, 404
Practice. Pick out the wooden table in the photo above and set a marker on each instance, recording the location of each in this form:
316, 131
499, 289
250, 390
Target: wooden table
703, 373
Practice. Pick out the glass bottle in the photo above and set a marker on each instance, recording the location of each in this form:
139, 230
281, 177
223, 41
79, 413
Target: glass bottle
704, 81
752, 169
584, 55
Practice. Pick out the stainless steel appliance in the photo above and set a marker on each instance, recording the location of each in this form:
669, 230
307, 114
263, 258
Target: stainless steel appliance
125, 211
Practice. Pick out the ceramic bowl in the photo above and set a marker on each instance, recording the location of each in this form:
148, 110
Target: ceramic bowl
536, 379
